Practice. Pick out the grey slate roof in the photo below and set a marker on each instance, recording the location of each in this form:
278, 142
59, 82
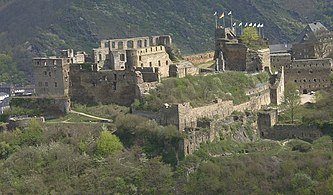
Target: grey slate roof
310, 32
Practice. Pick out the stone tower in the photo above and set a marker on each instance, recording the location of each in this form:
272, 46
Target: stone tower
266, 120
51, 76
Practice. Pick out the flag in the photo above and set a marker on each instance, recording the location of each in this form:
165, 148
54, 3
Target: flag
255, 25
215, 13
250, 24
245, 24
222, 15
234, 24
229, 13
262, 25
240, 24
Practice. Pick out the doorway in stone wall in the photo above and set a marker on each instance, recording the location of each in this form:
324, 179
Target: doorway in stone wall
305, 91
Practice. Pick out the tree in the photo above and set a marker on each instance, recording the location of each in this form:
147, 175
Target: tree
249, 36
108, 143
291, 99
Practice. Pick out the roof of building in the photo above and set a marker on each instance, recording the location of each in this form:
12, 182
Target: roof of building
280, 48
3, 94
311, 31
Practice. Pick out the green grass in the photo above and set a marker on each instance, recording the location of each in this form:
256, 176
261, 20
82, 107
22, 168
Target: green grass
201, 90
100, 110
72, 118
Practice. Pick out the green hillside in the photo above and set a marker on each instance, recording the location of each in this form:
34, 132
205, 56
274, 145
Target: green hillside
38, 27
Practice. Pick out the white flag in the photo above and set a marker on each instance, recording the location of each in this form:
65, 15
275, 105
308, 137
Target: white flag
250, 24
262, 25
255, 25
215, 13
240, 24
234, 24
245, 24
229, 13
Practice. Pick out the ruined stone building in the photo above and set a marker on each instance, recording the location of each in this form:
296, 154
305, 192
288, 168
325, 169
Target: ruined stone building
231, 54
269, 128
315, 41
120, 71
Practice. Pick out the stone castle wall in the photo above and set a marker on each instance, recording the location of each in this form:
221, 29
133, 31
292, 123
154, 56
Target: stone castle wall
200, 58
109, 86
269, 128
309, 74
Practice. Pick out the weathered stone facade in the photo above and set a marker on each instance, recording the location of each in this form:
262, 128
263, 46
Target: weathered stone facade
200, 58
51, 76
307, 74
119, 54
106, 86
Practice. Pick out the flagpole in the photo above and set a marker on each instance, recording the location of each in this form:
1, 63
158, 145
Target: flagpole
216, 22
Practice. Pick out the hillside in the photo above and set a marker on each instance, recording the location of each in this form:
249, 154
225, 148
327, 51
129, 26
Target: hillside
38, 27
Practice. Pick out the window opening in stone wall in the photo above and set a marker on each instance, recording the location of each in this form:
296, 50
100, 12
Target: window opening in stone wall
45, 73
115, 76
159, 63
167, 62
140, 58
145, 43
120, 45
114, 86
49, 74
55, 84
139, 43
100, 57
150, 64
130, 44
113, 45
122, 57
46, 84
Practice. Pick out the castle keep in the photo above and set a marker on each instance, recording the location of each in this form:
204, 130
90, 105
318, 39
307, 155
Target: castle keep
231, 54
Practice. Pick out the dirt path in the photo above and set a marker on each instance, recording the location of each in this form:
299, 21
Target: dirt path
91, 116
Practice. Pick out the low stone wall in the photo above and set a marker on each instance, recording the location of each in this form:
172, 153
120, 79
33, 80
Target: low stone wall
200, 57
292, 131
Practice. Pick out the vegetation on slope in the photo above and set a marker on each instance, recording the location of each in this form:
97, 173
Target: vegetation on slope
201, 90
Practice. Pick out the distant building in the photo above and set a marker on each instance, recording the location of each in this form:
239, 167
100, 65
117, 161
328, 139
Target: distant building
4, 102
315, 41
